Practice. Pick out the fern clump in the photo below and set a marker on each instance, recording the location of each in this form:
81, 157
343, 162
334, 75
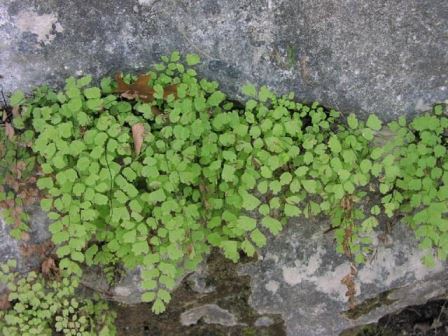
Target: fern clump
415, 179
38, 306
156, 170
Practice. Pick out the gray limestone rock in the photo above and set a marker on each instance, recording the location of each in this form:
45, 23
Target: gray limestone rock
210, 313
299, 276
263, 321
198, 280
127, 290
12, 249
9, 247
387, 57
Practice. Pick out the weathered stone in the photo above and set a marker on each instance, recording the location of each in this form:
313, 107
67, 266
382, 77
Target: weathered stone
209, 313
300, 276
231, 295
430, 318
127, 290
198, 280
263, 321
387, 57
11, 248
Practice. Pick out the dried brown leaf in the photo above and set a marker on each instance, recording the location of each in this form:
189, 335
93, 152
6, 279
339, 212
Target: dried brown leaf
155, 110
140, 88
349, 282
41, 249
4, 302
9, 130
16, 111
138, 133
49, 268
19, 168
25, 236
129, 96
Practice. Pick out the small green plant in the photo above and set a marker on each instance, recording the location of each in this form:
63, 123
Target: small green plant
414, 178
39, 307
17, 168
157, 169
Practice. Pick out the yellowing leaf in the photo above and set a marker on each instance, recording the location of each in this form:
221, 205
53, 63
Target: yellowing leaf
138, 133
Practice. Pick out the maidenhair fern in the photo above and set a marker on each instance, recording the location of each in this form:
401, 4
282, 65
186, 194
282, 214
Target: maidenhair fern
39, 306
205, 169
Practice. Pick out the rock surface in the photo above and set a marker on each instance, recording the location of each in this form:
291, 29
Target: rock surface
22, 251
387, 57
225, 311
198, 280
28, 254
300, 277
127, 290
9, 247
209, 313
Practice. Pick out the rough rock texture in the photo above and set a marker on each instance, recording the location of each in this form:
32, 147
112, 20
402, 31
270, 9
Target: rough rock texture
198, 280
9, 248
225, 311
388, 57
209, 313
263, 321
25, 252
13, 249
299, 277
127, 290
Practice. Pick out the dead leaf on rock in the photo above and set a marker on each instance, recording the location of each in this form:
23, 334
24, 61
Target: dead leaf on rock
16, 111
156, 111
4, 302
349, 282
9, 130
5, 116
138, 133
41, 249
25, 236
140, 88
49, 268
